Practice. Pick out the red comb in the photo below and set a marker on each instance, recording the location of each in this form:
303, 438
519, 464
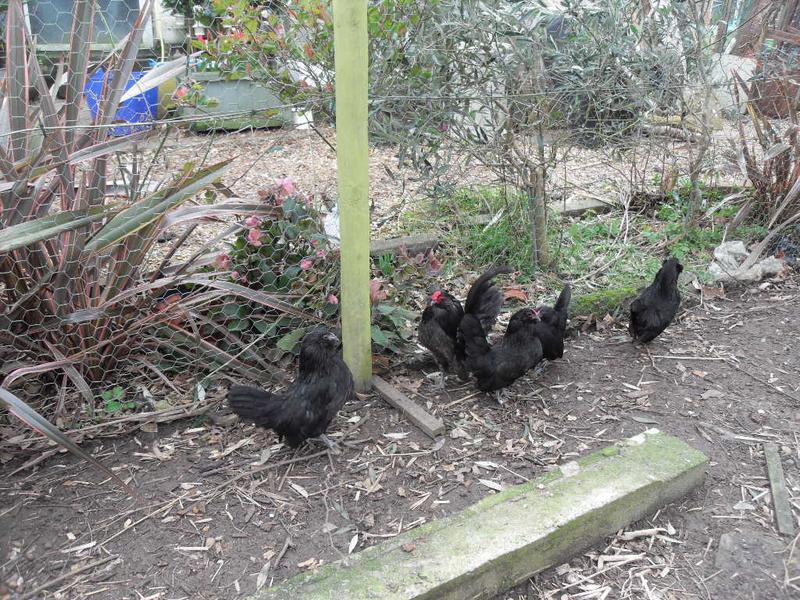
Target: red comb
437, 295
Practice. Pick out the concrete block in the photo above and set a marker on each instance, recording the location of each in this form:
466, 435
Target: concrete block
507, 537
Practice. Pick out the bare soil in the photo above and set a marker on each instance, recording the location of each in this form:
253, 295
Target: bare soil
227, 507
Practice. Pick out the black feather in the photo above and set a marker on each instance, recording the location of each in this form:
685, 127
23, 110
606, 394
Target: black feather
553, 325
307, 407
484, 300
655, 308
498, 366
438, 328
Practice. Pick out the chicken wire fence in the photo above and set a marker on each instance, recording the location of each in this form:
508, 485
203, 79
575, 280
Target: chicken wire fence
155, 242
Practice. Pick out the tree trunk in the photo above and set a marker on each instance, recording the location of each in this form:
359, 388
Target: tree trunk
537, 208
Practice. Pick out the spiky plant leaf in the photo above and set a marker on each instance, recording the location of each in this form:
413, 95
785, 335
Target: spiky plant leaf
35, 421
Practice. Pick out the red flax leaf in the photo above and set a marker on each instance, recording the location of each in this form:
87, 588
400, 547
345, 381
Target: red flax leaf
516, 293
37, 422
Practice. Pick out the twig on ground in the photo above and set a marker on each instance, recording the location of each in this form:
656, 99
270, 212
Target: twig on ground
61, 578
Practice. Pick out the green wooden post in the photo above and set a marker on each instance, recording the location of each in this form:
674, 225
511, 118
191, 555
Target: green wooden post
350, 53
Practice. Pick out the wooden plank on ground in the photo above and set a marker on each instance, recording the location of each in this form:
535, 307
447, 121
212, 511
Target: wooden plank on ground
429, 424
780, 494
413, 243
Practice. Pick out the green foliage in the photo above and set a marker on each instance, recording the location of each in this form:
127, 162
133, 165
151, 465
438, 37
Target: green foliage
391, 326
83, 297
592, 245
113, 401
286, 252
609, 68
601, 302
506, 238
386, 264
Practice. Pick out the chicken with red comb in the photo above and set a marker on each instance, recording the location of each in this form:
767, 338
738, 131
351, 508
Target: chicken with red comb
438, 328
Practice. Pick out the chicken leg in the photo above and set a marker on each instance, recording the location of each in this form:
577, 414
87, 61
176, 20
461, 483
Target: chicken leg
329, 443
502, 396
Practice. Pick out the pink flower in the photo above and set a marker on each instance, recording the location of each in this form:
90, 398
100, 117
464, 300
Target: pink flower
320, 254
286, 185
252, 221
306, 264
315, 243
180, 93
235, 275
254, 237
434, 264
332, 299
223, 261
376, 294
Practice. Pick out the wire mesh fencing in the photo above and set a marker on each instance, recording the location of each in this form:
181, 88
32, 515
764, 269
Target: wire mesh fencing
156, 239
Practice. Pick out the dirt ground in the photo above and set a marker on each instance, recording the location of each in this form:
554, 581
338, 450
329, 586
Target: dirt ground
227, 508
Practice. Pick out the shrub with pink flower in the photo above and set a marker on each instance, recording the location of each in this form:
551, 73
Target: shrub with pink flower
285, 252
254, 237
285, 185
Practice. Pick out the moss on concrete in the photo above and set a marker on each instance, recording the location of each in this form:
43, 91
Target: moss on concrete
509, 536
601, 302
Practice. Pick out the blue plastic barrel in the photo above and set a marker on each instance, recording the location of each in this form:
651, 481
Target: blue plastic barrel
139, 109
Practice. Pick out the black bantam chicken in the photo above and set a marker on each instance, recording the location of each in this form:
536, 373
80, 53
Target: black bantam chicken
307, 407
496, 367
653, 310
438, 328
553, 325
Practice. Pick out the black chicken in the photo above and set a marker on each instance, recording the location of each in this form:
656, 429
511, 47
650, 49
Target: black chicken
653, 310
438, 328
553, 325
496, 367
306, 408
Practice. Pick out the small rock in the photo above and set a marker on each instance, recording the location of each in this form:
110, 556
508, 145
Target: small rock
369, 521
758, 416
408, 547
223, 420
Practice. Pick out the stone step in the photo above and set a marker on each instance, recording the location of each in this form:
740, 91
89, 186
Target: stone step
508, 537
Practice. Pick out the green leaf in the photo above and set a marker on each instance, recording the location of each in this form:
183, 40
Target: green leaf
288, 342
149, 210
379, 337
239, 325
118, 392
234, 310
38, 230
267, 327
36, 421
113, 407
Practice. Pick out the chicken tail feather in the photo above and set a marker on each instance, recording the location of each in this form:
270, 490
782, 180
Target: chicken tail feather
562, 304
252, 404
473, 336
484, 300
